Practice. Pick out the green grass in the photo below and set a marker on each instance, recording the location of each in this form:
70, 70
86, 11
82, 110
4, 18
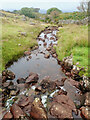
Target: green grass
11, 37
73, 39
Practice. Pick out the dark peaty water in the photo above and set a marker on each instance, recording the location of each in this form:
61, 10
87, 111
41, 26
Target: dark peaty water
38, 64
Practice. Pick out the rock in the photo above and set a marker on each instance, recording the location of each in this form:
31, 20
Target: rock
36, 47
37, 110
27, 108
45, 44
87, 99
86, 84
54, 55
62, 92
68, 63
17, 111
45, 36
47, 55
22, 86
33, 78
32, 23
38, 89
8, 75
60, 82
68, 74
47, 85
20, 80
14, 92
6, 84
74, 83
8, 116
24, 34
53, 51
25, 101
62, 107
85, 112
30, 57
48, 49
60, 112
52, 38
27, 53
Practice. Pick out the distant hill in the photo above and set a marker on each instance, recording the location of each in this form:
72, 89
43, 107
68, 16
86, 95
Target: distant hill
42, 11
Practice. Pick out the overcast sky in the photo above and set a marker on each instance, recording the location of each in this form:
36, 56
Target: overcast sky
64, 5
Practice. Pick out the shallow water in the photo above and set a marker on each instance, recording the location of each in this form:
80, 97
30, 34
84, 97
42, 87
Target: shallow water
38, 64
43, 67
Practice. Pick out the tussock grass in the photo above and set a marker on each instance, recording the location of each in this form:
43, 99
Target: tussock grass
73, 39
11, 37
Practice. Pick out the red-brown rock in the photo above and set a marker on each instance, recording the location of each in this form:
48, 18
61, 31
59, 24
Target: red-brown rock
33, 78
37, 110
8, 116
17, 111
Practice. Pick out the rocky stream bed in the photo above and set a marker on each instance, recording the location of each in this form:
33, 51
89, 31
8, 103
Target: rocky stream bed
39, 86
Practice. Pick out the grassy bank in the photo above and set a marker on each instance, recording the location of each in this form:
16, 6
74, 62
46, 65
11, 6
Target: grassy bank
73, 39
13, 43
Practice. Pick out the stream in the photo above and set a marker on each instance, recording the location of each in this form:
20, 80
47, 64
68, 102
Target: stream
38, 63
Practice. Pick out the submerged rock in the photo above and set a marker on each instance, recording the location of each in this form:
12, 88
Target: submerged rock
47, 55
37, 110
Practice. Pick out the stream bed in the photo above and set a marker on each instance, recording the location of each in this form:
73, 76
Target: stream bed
44, 63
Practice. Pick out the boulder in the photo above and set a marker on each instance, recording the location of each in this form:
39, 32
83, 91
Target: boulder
25, 101
47, 55
37, 110
20, 80
62, 107
60, 112
62, 92
8, 75
33, 78
85, 112
54, 55
17, 111
87, 99
27, 53
8, 116
45, 44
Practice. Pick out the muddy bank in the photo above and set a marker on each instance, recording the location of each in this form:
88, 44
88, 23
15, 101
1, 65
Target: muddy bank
37, 88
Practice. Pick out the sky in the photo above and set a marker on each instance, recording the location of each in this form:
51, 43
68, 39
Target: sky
64, 5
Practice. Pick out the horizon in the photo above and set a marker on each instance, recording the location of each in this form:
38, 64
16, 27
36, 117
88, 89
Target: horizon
62, 5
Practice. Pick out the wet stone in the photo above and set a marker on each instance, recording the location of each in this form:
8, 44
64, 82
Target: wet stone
33, 78
27, 53
14, 92
8, 75
20, 80
47, 55
17, 111
8, 116
37, 110
85, 112
45, 44
62, 92
62, 107
25, 101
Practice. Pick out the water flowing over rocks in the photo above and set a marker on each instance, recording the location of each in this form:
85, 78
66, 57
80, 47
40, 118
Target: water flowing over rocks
42, 93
